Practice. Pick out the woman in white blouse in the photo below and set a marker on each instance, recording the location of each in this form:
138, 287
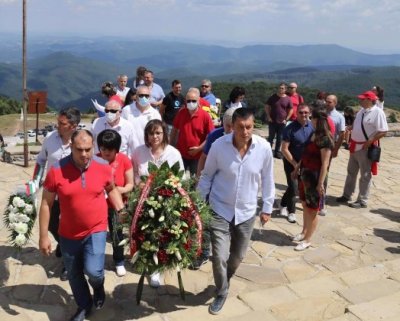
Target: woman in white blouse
157, 151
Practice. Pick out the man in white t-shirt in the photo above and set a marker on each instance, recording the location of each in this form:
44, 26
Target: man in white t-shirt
139, 113
113, 120
375, 126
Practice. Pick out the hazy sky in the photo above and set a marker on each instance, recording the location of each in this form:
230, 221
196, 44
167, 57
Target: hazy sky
367, 25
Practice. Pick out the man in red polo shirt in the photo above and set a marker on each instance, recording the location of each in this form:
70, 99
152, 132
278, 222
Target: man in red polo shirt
79, 182
191, 127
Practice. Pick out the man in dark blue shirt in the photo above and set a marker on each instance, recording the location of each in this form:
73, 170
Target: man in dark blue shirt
295, 137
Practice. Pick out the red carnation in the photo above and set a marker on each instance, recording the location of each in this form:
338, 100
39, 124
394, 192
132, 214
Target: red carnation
165, 192
162, 256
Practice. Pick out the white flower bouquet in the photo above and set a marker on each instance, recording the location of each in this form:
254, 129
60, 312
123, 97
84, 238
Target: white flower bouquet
19, 218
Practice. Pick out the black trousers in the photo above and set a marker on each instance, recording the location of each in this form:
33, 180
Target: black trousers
289, 197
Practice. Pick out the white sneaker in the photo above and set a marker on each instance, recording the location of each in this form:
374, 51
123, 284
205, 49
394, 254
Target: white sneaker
302, 246
283, 211
120, 270
291, 218
155, 280
298, 238
323, 212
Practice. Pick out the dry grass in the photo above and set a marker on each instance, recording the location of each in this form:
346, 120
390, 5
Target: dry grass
11, 124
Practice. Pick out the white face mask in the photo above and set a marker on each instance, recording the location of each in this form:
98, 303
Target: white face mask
111, 117
191, 106
144, 101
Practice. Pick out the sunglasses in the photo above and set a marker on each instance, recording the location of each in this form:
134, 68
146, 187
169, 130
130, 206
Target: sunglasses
204, 86
191, 101
113, 111
143, 95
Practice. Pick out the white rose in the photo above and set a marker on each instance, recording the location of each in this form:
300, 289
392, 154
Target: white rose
23, 218
20, 239
15, 201
12, 217
10, 208
21, 228
21, 203
28, 209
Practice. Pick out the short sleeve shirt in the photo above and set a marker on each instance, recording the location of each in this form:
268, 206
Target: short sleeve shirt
81, 195
298, 137
193, 130
280, 107
172, 105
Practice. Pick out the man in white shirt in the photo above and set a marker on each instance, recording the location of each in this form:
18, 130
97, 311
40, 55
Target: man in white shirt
122, 90
113, 120
375, 125
240, 161
139, 113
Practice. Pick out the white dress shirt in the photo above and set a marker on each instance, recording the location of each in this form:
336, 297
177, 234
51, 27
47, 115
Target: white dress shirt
52, 150
232, 182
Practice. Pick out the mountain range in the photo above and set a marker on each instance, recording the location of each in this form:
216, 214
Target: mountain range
73, 69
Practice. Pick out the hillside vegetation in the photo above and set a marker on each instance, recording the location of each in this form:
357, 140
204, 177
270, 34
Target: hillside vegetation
72, 70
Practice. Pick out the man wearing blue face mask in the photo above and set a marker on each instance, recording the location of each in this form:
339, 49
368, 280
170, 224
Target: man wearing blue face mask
139, 113
113, 120
191, 127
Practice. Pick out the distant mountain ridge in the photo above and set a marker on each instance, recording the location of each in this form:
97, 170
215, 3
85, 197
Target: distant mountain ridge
72, 71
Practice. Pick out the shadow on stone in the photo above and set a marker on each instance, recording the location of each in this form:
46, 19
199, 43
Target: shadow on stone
25, 295
387, 213
155, 300
271, 237
27, 256
388, 235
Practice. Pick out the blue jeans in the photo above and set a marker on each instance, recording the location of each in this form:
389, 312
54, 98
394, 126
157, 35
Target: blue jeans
229, 247
82, 257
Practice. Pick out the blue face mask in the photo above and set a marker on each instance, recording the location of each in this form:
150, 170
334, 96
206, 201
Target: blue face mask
144, 101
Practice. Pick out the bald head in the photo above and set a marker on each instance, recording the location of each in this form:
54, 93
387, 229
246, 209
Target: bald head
330, 102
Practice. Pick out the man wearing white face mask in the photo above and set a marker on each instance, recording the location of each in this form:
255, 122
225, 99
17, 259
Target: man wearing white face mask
113, 120
191, 127
139, 113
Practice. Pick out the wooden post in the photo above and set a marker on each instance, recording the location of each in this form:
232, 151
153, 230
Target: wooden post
24, 92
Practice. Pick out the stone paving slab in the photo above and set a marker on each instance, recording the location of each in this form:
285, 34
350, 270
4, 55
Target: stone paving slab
386, 308
351, 273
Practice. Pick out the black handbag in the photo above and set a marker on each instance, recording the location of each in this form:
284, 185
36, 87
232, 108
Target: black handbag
374, 151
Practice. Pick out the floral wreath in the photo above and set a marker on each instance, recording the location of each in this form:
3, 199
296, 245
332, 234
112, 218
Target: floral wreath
166, 220
19, 218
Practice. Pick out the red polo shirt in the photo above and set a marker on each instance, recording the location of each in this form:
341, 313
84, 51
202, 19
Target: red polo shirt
81, 195
193, 130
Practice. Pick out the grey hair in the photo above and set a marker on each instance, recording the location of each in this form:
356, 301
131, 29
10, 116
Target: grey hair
207, 81
194, 90
227, 119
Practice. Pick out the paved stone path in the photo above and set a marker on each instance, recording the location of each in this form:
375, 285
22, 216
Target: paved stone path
351, 273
